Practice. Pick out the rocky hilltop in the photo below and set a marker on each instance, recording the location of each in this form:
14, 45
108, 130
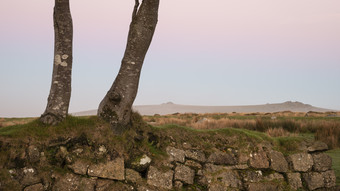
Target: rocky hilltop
170, 108
83, 154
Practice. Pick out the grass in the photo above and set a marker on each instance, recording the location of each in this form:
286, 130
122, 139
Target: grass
36, 129
335, 154
284, 130
324, 126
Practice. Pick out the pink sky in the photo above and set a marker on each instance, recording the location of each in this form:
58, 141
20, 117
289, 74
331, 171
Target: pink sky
199, 49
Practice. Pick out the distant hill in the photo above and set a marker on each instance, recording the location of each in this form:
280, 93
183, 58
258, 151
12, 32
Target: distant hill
169, 108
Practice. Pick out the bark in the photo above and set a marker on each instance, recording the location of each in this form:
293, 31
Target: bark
60, 92
116, 107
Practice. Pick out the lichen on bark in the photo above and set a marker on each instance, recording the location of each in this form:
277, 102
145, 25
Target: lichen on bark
60, 92
119, 99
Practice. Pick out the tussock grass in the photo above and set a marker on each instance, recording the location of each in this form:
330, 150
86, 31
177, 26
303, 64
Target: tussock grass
325, 126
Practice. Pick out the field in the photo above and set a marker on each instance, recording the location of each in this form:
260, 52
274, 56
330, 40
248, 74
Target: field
283, 127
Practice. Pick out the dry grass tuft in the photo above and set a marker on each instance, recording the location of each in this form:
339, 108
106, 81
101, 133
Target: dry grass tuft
279, 132
330, 134
325, 126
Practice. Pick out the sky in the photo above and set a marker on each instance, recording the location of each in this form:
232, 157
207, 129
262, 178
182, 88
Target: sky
217, 52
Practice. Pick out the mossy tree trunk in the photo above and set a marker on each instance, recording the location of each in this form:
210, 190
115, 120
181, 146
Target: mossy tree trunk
60, 93
116, 107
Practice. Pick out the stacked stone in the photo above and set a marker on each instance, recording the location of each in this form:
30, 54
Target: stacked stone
220, 170
264, 169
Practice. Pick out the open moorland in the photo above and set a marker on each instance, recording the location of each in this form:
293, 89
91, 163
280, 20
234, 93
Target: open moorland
286, 129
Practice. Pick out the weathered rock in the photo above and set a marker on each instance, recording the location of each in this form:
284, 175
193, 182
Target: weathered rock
79, 167
301, 162
145, 188
160, 179
178, 185
313, 180
221, 158
196, 155
322, 162
141, 164
109, 185
111, 169
278, 161
33, 154
184, 174
259, 160
243, 158
252, 176
193, 164
294, 180
28, 176
36, 187
329, 178
216, 186
274, 176
78, 151
176, 154
218, 177
102, 149
186, 145
71, 182
62, 153
227, 178
317, 146
264, 186
103, 184
132, 176
211, 168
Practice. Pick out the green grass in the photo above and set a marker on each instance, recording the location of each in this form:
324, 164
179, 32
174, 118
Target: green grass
335, 154
37, 129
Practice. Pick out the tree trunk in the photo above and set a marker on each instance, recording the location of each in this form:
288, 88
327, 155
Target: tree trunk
116, 107
60, 93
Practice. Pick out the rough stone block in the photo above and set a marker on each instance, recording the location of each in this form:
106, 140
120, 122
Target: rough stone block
111, 169
71, 182
133, 176
278, 161
221, 158
36, 187
184, 174
317, 146
329, 178
176, 154
274, 176
252, 176
259, 160
301, 162
196, 155
193, 164
159, 179
140, 164
294, 180
322, 162
313, 180
264, 186
28, 176
79, 167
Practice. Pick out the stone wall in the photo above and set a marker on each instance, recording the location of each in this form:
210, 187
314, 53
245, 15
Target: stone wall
184, 168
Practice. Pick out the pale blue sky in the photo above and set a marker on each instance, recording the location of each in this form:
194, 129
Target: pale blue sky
221, 52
